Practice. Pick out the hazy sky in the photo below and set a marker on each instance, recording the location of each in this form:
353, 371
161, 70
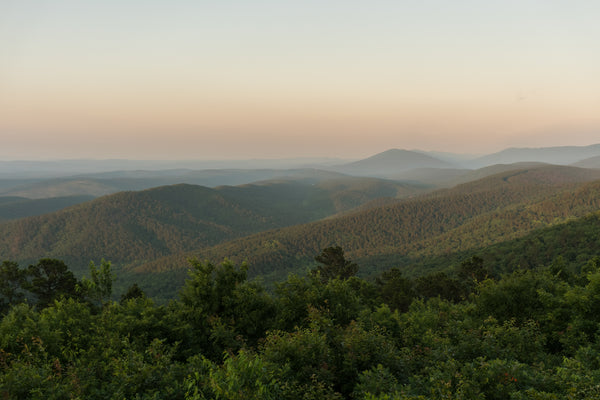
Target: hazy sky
276, 78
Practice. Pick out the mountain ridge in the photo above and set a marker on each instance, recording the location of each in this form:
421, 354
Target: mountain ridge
133, 227
407, 228
562, 155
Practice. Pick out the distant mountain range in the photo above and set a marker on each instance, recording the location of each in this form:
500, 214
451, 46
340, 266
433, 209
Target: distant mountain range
104, 183
397, 208
44, 179
563, 155
27, 169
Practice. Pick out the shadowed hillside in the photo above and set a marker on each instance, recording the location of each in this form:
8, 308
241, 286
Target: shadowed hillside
574, 241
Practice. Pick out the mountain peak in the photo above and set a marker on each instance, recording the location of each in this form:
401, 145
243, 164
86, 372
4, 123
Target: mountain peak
392, 161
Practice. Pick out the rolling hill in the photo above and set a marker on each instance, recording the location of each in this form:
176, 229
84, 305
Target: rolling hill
278, 225
492, 210
135, 227
576, 241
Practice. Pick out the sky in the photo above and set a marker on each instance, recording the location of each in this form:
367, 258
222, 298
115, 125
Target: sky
240, 79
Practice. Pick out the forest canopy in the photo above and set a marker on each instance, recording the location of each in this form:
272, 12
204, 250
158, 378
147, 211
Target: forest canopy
462, 334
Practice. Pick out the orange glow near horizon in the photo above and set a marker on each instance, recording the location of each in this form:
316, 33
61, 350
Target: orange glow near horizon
344, 80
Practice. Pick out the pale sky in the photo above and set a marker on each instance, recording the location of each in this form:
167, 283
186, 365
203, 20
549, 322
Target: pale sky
214, 79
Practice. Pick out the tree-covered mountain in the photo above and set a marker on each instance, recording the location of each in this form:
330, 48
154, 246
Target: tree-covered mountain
276, 225
135, 227
484, 212
569, 243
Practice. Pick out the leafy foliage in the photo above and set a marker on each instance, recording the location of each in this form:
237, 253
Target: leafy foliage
525, 335
99, 287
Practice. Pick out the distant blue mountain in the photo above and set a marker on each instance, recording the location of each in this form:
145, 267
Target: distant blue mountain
562, 155
391, 162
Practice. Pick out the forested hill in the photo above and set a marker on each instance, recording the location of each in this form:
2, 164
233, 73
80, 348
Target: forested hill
134, 227
571, 244
543, 175
494, 209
